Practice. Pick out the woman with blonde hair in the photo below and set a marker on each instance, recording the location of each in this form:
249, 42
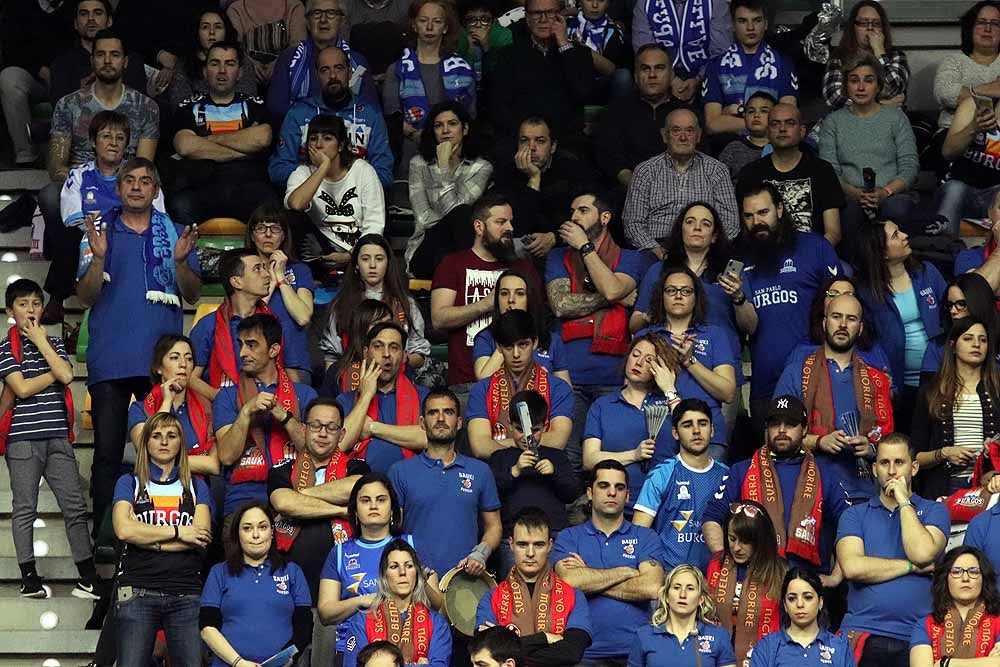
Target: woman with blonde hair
687, 612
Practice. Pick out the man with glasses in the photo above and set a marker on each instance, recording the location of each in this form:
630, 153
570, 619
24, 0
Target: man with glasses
310, 495
887, 548
664, 185
294, 76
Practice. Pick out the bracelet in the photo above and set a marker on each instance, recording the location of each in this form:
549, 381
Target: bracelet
741, 300
945, 661
909, 569
689, 362
288, 418
278, 284
900, 508
888, 191
939, 455
237, 661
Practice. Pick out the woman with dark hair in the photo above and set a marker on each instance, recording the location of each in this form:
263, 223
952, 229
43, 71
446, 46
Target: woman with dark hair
967, 295
375, 273
254, 604
803, 638
704, 351
964, 625
189, 72
513, 291
446, 178
172, 366
401, 612
867, 31
341, 195
957, 410
265, 28
291, 297
902, 298
339, 377
976, 67
748, 563
161, 516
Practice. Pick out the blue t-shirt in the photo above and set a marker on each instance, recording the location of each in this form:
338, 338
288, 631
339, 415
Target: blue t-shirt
137, 415
874, 356
712, 347
677, 495
915, 336
586, 367
734, 75
984, 533
890, 608
553, 359
381, 454
203, 342
438, 651
620, 426
428, 490
579, 617
655, 647
782, 301
225, 409
87, 191
787, 470
124, 326
777, 649
259, 597
295, 338
560, 399
614, 621
969, 259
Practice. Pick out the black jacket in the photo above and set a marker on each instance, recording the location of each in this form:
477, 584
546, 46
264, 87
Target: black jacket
30, 37
544, 210
630, 133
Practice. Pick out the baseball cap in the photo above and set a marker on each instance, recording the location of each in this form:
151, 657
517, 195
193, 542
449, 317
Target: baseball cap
787, 408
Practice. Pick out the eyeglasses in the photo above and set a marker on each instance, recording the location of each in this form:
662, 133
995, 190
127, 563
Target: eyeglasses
957, 572
319, 427
674, 291
474, 21
961, 304
539, 14
748, 510
331, 14
832, 293
264, 228
871, 24
986, 23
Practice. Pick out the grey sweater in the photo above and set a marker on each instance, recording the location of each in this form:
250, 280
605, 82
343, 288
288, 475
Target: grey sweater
955, 71
883, 142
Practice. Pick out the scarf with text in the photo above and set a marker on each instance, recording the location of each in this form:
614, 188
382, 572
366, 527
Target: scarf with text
608, 327
547, 609
595, 35
686, 36
199, 412
761, 484
500, 391
412, 636
872, 394
407, 413
262, 452
304, 477
972, 639
457, 75
756, 613
222, 363
8, 399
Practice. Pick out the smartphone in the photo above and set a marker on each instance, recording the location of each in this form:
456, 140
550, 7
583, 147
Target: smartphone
983, 104
734, 268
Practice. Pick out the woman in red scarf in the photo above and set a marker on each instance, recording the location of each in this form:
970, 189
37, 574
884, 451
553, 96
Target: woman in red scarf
173, 363
962, 630
401, 613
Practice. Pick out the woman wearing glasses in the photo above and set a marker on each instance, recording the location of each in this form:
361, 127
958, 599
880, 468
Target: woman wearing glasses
745, 578
867, 31
705, 351
967, 295
963, 627
976, 67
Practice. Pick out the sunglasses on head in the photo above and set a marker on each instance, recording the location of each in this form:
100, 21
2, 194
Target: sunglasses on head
749, 510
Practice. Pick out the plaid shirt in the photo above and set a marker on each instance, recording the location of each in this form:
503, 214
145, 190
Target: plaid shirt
894, 68
658, 193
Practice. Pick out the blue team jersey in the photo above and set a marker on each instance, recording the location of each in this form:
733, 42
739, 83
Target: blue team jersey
984, 534
87, 191
710, 646
553, 359
381, 454
778, 649
677, 495
734, 76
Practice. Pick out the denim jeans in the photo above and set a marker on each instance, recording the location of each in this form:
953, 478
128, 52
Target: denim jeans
957, 200
143, 613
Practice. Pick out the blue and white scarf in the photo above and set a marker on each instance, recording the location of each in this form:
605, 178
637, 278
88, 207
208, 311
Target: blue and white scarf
159, 275
742, 74
687, 37
595, 35
459, 85
300, 67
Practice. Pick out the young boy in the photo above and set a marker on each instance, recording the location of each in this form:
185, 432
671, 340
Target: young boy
593, 28
740, 152
37, 427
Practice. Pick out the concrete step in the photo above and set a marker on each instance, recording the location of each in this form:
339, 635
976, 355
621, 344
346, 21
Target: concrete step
50, 569
84, 458
25, 614
47, 505
40, 645
19, 239
50, 541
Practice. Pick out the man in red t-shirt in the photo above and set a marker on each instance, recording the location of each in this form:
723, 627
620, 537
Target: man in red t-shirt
464, 280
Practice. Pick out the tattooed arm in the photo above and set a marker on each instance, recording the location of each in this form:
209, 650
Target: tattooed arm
570, 306
59, 146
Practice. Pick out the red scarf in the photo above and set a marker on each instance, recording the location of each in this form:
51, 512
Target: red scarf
872, 395
857, 639
761, 484
499, 393
977, 635
8, 398
993, 451
546, 610
259, 454
413, 637
608, 327
407, 414
222, 364
756, 613
199, 413
304, 477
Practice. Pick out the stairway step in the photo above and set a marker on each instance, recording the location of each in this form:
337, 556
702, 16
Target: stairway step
84, 458
24, 614
47, 504
19, 239
48, 643
51, 539
54, 569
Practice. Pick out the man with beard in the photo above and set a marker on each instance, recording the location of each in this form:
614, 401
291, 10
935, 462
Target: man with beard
223, 137
803, 497
664, 185
464, 280
676, 492
808, 185
782, 270
550, 616
887, 548
849, 403
590, 283
365, 125
381, 426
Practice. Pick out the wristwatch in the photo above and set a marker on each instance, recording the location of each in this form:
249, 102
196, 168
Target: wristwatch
587, 248
371, 428
740, 301
288, 418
